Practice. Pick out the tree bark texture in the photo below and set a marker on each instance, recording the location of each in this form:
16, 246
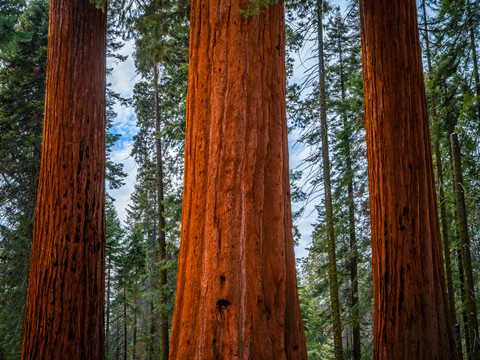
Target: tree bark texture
236, 289
411, 311
330, 229
66, 293
470, 305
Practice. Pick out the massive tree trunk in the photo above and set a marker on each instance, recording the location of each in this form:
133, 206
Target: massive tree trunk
329, 226
162, 246
66, 292
470, 305
236, 288
411, 312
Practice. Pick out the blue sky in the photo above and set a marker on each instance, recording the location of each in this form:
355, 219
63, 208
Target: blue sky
123, 79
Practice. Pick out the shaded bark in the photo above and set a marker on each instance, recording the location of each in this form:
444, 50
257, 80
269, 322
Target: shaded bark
411, 312
236, 289
66, 293
470, 305
442, 202
330, 230
161, 225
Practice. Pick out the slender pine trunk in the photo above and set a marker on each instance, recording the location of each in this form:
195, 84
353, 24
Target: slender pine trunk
125, 328
330, 231
473, 45
470, 304
446, 247
161, 225
107, 322
468, 343
152, 278
351, 217
134, 345
468, 347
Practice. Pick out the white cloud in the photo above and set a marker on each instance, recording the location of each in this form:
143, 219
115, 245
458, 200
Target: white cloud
122, 195
123, 78
124, 74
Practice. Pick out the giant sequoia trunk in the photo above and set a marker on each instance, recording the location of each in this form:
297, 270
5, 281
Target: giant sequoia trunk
236, 289
411, 312
65, 307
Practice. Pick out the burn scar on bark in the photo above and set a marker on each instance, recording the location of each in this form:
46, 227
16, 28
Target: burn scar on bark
222, 304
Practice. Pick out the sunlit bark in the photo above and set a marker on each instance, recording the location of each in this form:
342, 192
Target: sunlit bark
236, 289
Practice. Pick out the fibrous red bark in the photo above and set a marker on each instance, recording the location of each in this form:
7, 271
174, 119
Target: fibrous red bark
65, 306
236, 290
411, 312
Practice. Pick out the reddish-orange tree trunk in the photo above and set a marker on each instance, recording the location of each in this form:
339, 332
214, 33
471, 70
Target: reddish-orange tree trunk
65, 306
411, 312
236, 290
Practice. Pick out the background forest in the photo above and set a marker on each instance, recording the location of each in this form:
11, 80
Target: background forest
328, 167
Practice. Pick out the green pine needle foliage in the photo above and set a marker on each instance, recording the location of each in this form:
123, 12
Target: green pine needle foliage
256, 7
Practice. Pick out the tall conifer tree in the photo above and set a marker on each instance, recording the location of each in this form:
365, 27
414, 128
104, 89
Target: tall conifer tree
65, 306
411, 313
